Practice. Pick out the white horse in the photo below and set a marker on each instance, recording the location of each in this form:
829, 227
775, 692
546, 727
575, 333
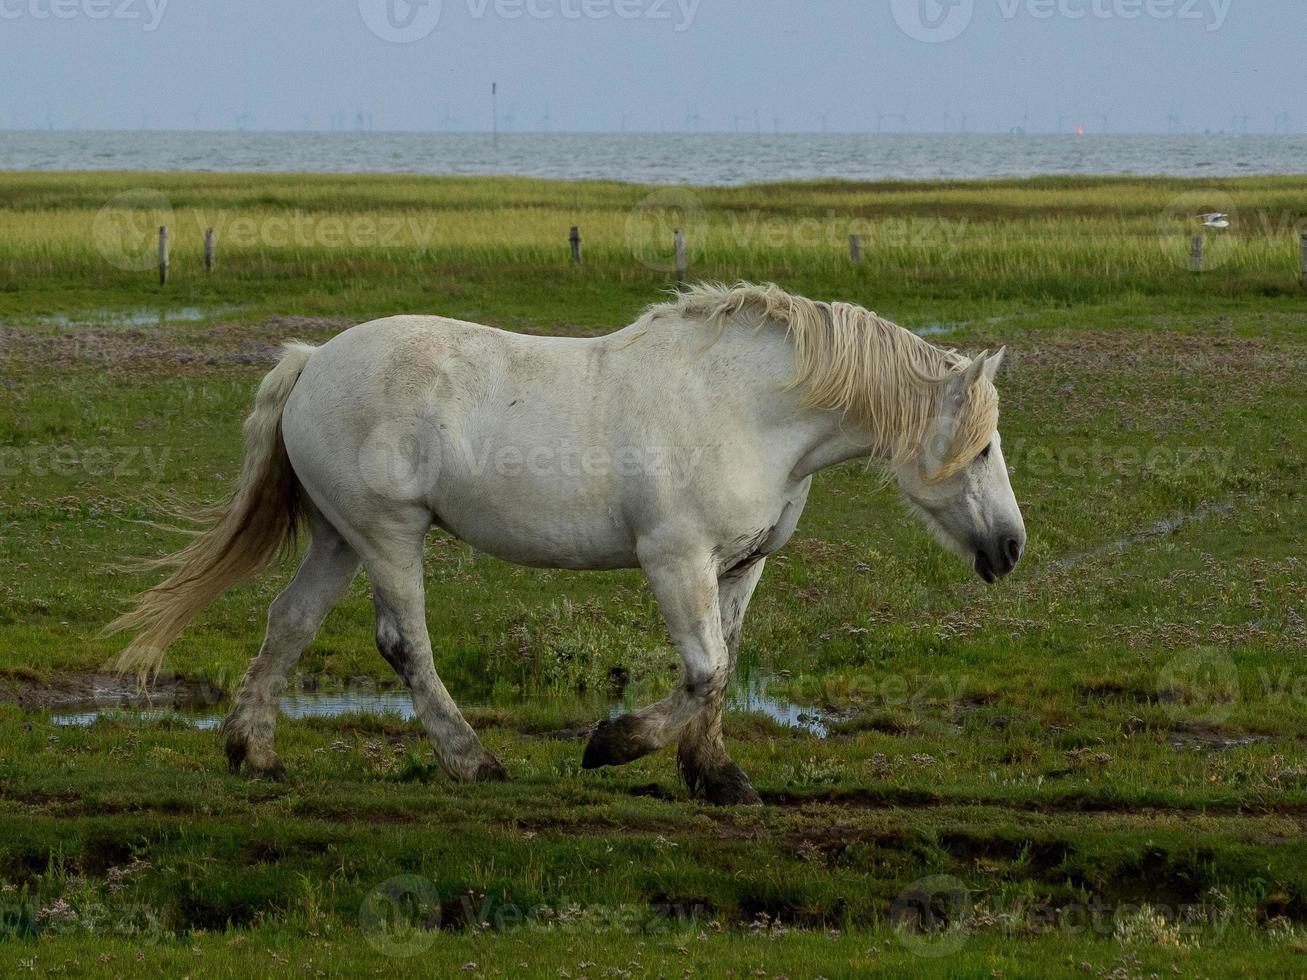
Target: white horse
684, 445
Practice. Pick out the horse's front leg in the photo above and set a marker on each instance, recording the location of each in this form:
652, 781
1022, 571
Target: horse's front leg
701, 755
685, 583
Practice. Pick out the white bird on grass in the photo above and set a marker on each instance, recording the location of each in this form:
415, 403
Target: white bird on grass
1215, 219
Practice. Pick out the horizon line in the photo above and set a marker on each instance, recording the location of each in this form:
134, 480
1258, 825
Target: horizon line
646, 132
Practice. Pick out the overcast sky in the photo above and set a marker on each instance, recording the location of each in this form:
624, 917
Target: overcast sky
712, 65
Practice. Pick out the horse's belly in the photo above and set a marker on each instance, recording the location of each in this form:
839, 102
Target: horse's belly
538, 532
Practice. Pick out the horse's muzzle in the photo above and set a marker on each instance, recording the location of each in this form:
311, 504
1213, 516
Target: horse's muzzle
993, 563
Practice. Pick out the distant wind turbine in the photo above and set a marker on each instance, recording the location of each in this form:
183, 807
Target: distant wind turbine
882, 116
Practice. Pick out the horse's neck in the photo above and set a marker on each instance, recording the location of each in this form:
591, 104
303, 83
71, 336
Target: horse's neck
762, 365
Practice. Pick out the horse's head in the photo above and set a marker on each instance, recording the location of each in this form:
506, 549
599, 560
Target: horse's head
957, 480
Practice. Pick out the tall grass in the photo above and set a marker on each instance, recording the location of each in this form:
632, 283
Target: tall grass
364, 245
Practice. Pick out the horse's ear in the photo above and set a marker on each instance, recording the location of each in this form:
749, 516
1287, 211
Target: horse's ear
975, 369
992, 364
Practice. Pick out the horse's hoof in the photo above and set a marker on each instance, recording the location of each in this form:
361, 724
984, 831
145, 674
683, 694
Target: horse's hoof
256, 764
270, 771
721, 786
490, 771
614, 743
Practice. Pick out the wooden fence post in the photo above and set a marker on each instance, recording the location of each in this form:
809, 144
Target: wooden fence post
209, 250
575, 239
855, 248
163, 255
682, 265
1196, 254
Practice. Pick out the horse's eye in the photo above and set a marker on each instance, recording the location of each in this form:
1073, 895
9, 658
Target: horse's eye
984, 453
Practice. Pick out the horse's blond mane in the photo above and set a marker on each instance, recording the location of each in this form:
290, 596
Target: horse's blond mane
887, 382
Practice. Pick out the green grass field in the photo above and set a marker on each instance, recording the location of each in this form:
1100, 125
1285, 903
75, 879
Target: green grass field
1098, 766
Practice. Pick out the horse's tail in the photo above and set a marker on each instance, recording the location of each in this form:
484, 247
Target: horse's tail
248, 533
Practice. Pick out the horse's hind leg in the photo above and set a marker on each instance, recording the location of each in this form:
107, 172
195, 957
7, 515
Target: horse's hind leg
701, 755
404, 642
329, 566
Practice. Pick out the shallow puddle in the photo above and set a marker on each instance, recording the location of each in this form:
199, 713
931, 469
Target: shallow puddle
140, 317
190, 706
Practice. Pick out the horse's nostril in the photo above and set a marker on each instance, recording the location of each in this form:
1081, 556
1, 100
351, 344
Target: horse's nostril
1012, 548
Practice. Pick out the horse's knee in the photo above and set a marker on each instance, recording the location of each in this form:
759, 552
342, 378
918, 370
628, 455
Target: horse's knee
707, 686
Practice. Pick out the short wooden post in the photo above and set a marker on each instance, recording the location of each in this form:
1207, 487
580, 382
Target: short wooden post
1196, 254
163, 255
855, 248
575, 239
1304, 261
209, 250
682, 264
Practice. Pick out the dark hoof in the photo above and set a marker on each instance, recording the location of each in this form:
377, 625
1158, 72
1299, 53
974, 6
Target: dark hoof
271, 770
723, 785
490, 771
273, 773
614, 743
264, 765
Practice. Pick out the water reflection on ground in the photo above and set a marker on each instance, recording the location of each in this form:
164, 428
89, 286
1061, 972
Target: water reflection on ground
313, 698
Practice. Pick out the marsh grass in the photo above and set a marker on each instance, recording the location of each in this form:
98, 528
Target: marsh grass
1121, 720
366, 246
